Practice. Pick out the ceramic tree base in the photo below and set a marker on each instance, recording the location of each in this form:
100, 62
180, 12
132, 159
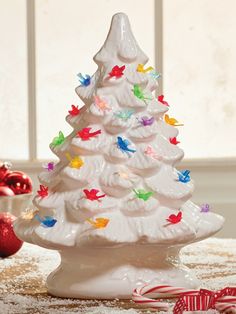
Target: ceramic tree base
108, 273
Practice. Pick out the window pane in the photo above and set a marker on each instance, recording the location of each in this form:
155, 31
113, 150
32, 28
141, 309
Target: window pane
69, 33
13, 81
200, 74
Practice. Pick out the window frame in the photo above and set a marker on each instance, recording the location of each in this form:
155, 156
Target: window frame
33, 163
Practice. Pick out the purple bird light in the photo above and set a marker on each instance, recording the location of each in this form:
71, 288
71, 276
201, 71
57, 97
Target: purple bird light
49, 166
145, 121
205, 208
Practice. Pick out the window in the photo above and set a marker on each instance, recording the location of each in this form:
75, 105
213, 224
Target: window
13, 81
68, 34
36, 89
199, 69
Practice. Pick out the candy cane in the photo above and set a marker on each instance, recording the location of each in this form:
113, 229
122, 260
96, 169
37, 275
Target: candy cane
188, 299
158, 292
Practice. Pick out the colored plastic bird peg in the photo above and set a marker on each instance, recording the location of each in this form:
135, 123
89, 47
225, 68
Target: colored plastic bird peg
75, 162
173, 140
184, 176
142, 194
43, 191
46, 221
92, 195
124, 114
205, 208
117, 71
101, 104
85, 134
58, 140
49, 166
84, 80
123, 146
151, 152
99, 223
123, 174
161, 99
138, 92
145, 121
174, 219
140, 68
155, 75
172, 121
29, 214
74, 110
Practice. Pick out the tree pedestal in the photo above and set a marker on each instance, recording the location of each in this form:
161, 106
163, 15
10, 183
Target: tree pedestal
108, 273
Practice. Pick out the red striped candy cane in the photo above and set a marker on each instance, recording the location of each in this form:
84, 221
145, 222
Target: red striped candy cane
188, 300
140, 295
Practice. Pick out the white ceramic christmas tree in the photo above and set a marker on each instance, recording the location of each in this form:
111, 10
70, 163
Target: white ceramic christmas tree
114, 206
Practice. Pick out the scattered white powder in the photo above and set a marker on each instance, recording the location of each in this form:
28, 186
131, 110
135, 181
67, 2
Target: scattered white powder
213, 260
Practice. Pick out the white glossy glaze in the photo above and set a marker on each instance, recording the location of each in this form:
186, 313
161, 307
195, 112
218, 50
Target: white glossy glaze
138, 245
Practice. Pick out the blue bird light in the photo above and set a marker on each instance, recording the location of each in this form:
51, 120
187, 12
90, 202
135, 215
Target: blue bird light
123, 146
46, 221
155, 75
184, 176
84, 80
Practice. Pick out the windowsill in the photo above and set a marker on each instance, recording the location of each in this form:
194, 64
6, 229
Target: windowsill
191, 163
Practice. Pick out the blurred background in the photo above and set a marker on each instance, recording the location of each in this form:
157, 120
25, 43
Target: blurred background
45, 43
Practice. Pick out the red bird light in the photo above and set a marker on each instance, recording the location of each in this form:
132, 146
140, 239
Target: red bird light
174, 219
117, 71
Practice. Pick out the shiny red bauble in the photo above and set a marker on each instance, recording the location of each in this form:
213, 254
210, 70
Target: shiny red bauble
4, 170
6, 191
9, 243
18, 182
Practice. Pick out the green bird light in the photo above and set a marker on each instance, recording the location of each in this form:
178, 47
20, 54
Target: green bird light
144, 195
125, 114
138, 92
58, 140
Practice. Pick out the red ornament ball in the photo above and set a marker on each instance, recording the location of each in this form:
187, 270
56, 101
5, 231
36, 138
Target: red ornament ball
9, 243
19, 182
4, 170
6, 191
